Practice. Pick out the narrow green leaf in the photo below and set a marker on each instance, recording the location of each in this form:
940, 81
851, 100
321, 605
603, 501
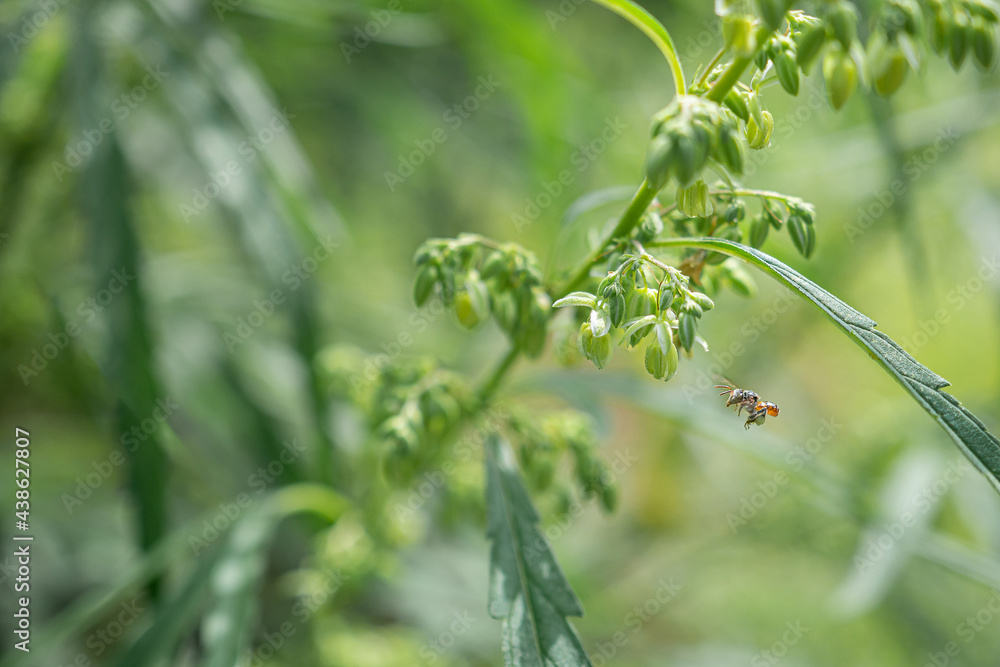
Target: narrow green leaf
594, 200
528, 590
981, 446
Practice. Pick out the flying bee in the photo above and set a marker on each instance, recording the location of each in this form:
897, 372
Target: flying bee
756, 409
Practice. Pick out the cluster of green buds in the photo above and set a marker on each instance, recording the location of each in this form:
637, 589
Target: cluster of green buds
893, 47
961, 26
408, 401
478, 277
633, 306
685, 135
544, 444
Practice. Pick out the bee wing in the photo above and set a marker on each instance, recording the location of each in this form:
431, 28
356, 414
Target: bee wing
723, 381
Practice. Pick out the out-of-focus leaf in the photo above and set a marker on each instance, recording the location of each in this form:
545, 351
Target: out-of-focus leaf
885, 545
981, 446
528, 590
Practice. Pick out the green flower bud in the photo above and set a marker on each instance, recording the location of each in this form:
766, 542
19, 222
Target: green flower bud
642, 302
687, 329
759, 136
735, 102
659, 161
731, 150
425, 283
690, 150
692, 201
808, 44
656, 360
703, 300
738, 32
773, 12
472, 305
666, 298
600, 320
940, 33
759, 228
842, 18
841, 76
984, 45
736, 211
958, 46
597, 349
616, 308
803, 235
788, 71
888, 65
609, 497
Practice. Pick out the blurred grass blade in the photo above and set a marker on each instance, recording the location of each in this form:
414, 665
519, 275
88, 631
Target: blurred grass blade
981, 446
227, 627
174, 619
528, 590
875, 568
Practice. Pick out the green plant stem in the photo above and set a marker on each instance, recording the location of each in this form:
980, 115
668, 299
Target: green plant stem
735, 69
708, 70
630, 218
489, 387
653, 29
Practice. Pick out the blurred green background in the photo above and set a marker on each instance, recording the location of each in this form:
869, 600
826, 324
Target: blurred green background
224, 152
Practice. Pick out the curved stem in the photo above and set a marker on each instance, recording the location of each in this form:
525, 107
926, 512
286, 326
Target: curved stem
489, 387
653, 29
735, 70
708, 70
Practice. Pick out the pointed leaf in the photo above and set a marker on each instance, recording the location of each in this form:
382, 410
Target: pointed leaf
528, 590
969, 433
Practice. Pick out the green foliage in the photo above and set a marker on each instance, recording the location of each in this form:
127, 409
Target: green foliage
528, 590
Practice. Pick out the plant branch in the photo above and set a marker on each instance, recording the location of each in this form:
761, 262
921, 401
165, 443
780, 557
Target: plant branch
489, 387
735, 70
630, 218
